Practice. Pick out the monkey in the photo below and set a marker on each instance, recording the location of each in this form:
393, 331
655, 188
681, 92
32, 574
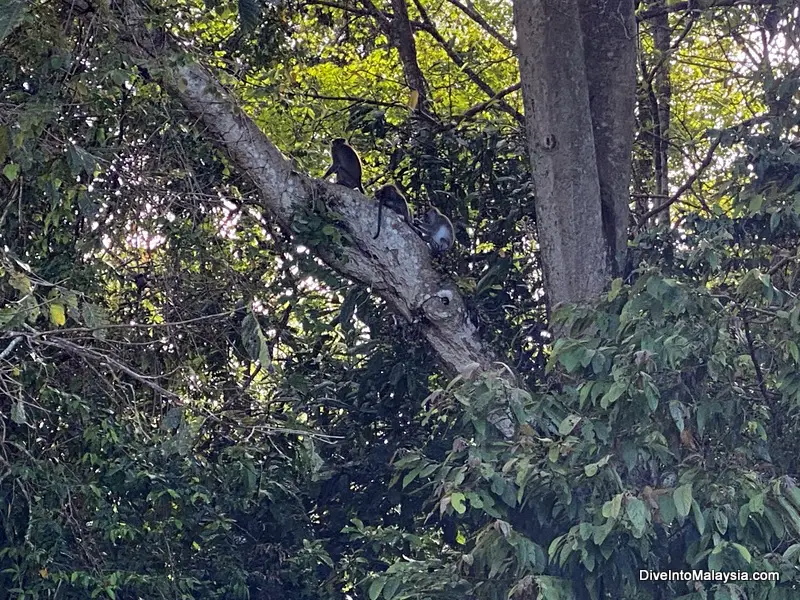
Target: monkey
346, 165
390, 197
437, 230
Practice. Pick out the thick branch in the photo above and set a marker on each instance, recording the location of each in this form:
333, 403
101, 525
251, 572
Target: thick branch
396, 266
401, 36
407, 48
342, 7
663, 90
351, 99
609, 32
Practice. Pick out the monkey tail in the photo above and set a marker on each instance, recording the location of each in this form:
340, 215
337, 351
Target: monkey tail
380, 215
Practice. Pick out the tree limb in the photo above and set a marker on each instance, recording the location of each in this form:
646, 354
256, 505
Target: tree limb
474, 110
488, 27
686, 184
702, 167
430, 28
342, 7
404, 42
396, 266
401, 36
96, 357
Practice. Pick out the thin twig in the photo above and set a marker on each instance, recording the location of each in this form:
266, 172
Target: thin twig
430, 28
88, 353
488, 27
686, 185
471, 112
10, 348
699, 171
693, 4
126, 326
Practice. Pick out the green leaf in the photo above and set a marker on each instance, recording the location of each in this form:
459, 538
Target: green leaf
612, 395
721, 520
411, 477
568, 424
756, 504
682, 497
616, 288
375, 588
95, 318
676, 411
254, 340
794, 352
21, 283
601, 531
744, 514
715, 559
743, 551
591, 469
774, 220
57, 314
457, 502
756, 202
791, 513
699, 517
11, 171
792, 553
249, 15
611, 508
638, 515
666, 507
12, 13
390, 589
557, 542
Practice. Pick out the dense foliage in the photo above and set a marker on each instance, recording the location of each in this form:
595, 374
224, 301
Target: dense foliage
193, 406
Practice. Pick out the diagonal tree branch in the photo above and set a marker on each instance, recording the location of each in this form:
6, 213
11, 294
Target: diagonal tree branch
406, 46
396, 266
474, 110
473, 14
686, 184
704, 164
401, 36
342, 7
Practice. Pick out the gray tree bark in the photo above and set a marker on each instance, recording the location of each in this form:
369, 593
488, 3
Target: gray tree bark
609, 36
577, 66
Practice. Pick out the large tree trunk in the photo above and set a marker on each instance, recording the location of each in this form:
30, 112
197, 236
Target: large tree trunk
577, 66
609, 44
